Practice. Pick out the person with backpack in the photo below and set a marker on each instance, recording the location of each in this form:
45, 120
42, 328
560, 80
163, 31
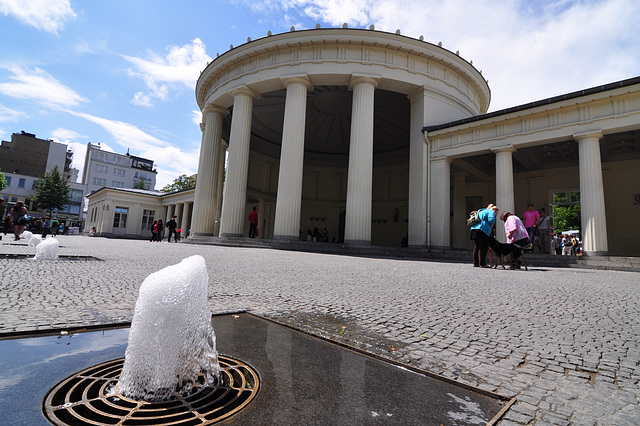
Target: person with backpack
482, 222
172, 225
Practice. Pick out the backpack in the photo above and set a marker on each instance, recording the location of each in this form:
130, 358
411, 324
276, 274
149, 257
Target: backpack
474, 218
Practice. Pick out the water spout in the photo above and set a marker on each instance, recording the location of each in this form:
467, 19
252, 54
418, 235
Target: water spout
172, 344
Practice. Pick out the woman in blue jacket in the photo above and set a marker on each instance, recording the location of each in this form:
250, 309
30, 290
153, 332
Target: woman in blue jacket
480, 235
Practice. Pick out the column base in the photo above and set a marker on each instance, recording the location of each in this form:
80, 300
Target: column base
358, 243
230, 235
286, 237
200, 234
595, 253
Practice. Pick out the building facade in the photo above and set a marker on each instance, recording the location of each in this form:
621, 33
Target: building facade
26, 159
381, 138
126, 212
108, 169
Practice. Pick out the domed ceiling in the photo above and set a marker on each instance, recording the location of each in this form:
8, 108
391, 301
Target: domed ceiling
328, 126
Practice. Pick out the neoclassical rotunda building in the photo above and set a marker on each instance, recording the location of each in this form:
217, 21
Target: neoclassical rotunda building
379, 138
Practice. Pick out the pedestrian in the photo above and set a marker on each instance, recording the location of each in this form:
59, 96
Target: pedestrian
3, 209
544, 232
171, 226
19, 219
480, 233
531, 220
178, 234
567, 244
253, 223
55, 225
154, 231
160, 229
46, 226
516, 235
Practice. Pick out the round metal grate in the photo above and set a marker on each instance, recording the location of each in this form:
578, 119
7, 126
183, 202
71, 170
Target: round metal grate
84, 399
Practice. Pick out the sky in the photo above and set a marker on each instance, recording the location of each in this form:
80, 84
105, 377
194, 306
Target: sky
123, 72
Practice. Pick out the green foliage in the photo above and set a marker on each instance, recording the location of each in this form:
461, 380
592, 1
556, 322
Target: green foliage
180, 183
566, 218
139, 184
52, 191
3, 181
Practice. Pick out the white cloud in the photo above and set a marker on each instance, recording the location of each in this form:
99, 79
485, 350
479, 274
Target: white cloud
528, 50
170, 160
38, 85
8, 114
45, 15
181, 66
196, 117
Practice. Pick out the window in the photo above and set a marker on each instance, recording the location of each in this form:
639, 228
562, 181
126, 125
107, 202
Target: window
120, 217
101, 156
147, 219
8, 179
14, 199
118, 172
21, 182
75, 196
117, 184
565, 210
101, 168
99, 181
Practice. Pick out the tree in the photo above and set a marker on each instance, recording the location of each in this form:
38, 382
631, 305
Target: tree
180, 183
139, 184
3, 181
566, 218
51, 191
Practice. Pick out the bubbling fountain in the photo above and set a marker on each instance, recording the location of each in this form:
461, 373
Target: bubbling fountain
171, 342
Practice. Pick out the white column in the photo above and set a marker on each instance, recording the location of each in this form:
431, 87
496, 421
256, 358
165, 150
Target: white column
504, 186
459, 229
205, 198
440, 203
220, 182
594, 220
359, 183
234, 203
289, 198
184, 222
418, 178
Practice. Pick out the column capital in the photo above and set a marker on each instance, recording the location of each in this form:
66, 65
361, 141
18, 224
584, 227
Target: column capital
358, 78
215, 109
246, 91
500, 149
594, 134
202, 127
447, 160
302, 79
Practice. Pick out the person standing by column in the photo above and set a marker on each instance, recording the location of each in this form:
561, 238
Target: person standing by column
171, 226
253, 223
531, 220
544, 232
480, 235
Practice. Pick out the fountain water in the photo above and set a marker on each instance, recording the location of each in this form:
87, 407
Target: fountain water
47, 250
172, 341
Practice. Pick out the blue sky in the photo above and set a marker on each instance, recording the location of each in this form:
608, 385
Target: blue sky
123, 73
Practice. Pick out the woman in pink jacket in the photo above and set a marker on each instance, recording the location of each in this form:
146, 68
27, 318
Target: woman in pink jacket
516, 234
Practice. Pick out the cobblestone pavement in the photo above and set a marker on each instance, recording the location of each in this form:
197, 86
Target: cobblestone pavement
564, 342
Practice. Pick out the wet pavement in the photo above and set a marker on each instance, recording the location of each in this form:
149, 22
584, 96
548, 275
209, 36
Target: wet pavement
563, 341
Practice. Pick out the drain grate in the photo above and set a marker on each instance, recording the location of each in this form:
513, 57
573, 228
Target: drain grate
84, 399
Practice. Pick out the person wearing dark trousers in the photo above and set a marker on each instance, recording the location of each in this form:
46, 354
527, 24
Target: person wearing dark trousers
480, 235
253, 223
172, 225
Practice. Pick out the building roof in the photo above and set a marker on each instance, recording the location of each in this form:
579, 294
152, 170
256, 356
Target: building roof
130, 190
555, 99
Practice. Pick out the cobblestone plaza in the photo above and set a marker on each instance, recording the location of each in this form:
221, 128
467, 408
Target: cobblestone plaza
563, 342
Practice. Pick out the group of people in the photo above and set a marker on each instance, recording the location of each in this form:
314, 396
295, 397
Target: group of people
17, 219
484, 229
158, 227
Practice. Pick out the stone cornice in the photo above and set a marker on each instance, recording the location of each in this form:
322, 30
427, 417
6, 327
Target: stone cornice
347, 46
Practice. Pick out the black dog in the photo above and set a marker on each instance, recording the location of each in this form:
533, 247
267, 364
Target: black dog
503, 249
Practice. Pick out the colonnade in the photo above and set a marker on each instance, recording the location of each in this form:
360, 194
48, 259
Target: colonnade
184, 212
231, 212
592, 201
429, 218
